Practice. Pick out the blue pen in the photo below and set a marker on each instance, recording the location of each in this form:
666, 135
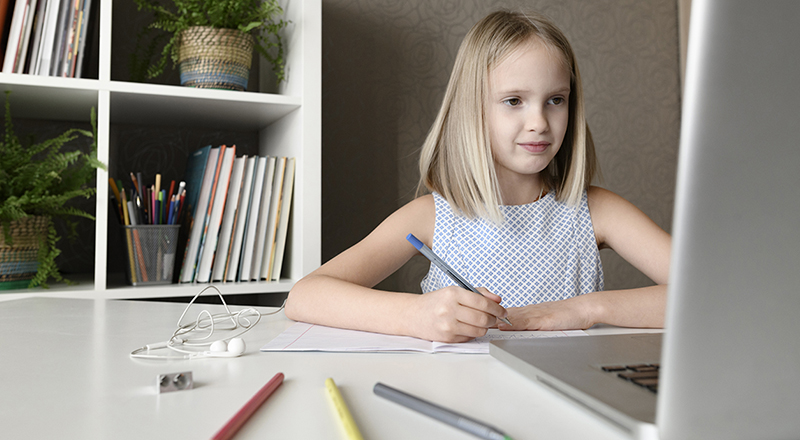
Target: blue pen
428, 253
169, 212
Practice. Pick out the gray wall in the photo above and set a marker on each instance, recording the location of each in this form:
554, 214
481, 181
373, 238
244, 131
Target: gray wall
385, 68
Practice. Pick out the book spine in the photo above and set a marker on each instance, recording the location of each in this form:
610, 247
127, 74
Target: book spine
212, 233
36, 43
232, 269
14, 36
58, 42
46, 51
261, 228
252, 221
274, 215
87, 9
207, 222
283, 226
27, 30
228, 219
197, 216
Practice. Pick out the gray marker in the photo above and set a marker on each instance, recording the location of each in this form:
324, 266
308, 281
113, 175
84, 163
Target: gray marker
428, 253
429, 409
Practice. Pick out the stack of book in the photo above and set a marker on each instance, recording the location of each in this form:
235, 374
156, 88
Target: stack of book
239, 216
46, 37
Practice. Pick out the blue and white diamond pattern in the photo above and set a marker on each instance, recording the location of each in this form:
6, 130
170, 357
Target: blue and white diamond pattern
544, 251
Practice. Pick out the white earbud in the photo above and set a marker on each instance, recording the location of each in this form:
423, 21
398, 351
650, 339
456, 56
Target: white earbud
219, 347
234, 348
236, 345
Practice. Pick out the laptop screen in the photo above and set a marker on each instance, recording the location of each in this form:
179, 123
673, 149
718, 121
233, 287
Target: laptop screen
731, 347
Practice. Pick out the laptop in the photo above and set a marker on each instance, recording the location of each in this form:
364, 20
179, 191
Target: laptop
729, 359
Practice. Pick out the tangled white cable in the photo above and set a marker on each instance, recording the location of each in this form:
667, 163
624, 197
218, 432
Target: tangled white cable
185, 340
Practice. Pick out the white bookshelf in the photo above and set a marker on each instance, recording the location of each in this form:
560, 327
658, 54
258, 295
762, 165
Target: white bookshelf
288, 122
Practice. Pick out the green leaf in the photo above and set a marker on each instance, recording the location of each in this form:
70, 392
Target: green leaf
41, 179
259, 18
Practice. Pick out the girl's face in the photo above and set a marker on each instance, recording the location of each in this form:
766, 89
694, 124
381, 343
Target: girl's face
527, 112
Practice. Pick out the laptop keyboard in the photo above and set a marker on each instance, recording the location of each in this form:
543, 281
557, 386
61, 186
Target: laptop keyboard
644, 375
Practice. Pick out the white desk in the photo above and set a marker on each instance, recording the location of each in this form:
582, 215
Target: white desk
65, 372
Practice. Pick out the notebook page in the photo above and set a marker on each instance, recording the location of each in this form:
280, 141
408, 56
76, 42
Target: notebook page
310, 337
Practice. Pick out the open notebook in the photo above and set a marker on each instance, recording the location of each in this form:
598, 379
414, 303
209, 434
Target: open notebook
310, 337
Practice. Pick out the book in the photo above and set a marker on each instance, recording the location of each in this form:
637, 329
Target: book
88, 66
86, 23
63, 53
283, 225
36, 36
207, 219
198, 211
263, 214
5, 22
272, 221
58, 43
195, 170
70, 48
48, 38
27, 30
208, 246
228, 219
242, 212
252, 221
15, 35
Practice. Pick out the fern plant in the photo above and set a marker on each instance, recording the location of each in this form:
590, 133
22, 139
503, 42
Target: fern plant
39, 180
256, 17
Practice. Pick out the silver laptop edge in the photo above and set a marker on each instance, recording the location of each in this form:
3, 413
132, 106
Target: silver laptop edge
735, 273
730, 363
625, 406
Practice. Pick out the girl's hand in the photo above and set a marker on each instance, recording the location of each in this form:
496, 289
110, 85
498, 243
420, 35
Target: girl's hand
566, 314
453, 314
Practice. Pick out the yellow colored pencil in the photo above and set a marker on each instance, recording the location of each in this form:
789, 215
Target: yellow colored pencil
126, 221
349, 425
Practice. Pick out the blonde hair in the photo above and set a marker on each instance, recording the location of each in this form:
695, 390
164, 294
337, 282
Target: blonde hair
456, 159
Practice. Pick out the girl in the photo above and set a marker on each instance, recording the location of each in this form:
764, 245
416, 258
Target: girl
508, 164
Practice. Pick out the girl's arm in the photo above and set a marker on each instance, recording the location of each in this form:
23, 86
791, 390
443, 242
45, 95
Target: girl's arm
620, 226
340, 293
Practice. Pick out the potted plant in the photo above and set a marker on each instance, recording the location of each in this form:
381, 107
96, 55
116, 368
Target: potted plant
212, 41
36, 183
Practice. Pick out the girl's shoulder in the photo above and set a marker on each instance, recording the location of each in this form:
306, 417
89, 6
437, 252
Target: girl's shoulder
600, 196
421, 205
604, 204
416, 217
612, 213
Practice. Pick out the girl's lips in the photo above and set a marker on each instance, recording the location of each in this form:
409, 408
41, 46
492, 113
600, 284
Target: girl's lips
535, 147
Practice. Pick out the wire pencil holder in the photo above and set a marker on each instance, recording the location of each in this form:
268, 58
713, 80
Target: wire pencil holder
150, 253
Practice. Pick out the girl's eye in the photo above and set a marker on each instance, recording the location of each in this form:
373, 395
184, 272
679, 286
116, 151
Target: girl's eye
557, 100
513, 102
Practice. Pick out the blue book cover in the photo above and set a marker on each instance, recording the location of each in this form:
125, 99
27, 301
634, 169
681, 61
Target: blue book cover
195, 169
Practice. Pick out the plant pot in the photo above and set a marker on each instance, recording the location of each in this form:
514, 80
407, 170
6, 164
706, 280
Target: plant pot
18, 259
214, 58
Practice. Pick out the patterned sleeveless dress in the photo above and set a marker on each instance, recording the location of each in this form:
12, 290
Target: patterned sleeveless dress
544, 251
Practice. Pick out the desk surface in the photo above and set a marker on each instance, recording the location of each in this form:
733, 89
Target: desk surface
66, 372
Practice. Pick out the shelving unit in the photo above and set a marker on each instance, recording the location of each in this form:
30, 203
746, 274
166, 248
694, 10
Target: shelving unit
287, 123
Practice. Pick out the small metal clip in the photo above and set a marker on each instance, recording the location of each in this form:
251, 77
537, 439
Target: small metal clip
174, 382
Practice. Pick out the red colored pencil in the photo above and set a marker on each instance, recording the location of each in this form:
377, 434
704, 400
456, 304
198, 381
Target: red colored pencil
238, 419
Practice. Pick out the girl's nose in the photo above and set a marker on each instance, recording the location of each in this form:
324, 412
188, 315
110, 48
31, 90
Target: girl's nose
536, 121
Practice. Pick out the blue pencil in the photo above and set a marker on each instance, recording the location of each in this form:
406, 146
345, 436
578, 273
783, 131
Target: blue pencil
444, 267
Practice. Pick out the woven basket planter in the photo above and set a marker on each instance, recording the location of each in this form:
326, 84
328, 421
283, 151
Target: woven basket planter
213, 58
18, 259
